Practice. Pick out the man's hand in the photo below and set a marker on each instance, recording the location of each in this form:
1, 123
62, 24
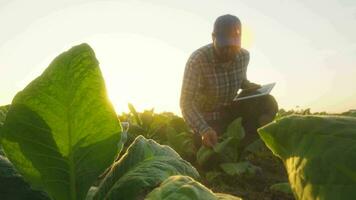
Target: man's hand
247, 85
253, 86
209, 138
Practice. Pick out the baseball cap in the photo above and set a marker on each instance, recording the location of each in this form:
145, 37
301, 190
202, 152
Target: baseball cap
223, 27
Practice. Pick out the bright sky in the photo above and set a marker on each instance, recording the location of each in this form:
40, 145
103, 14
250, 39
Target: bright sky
307, 47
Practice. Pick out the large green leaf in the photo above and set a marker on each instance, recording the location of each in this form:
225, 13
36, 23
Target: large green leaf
144, 166
185, 188
61, 131
319, 153
12, 185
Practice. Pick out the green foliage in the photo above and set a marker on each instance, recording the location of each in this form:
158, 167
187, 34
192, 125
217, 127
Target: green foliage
223, 196
12, 185
240, 168
165, 128
350, 113
92, 191
227, 148
61, 132
3, 112
135, 114
185, 188
298, 111
282, 187
212, 175
182, 142
318, 153
256, 147
144, 166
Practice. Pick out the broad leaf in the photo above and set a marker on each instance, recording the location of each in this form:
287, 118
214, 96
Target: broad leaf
185, 188
281, 187
319, 153
92, 191
206, 154
255, 147
227, 149
235, 130
12, 185
240, 168
61, 131
144, 166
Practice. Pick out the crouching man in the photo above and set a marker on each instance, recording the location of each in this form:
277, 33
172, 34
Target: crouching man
213, 75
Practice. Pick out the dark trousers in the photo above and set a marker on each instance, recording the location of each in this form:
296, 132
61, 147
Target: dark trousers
255, 113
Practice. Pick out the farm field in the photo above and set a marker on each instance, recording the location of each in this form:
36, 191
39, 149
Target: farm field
61, 139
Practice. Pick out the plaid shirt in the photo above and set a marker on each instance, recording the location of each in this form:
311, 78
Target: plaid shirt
208, 85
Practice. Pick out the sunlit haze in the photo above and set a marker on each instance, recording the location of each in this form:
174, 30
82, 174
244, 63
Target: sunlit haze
307, 47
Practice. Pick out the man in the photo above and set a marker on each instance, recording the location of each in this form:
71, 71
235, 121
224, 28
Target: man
213, 75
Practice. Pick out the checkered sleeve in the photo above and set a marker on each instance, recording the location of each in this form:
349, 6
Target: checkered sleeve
191, 79
245, 60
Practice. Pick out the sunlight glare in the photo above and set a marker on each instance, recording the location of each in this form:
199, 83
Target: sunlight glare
141, 70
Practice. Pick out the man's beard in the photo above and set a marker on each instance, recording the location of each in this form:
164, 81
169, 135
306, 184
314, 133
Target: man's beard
228, 53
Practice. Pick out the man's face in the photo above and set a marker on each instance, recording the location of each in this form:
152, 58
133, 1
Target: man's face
228, 44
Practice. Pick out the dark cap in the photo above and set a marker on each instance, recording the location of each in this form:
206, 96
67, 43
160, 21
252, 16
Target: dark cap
223, 26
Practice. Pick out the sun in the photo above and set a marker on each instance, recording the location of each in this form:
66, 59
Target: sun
137, 69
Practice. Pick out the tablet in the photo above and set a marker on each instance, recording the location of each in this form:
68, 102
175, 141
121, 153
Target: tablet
247, 94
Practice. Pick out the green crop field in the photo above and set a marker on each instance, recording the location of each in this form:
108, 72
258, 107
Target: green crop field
61, 139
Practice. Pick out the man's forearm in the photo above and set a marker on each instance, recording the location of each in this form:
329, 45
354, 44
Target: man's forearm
194, 119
